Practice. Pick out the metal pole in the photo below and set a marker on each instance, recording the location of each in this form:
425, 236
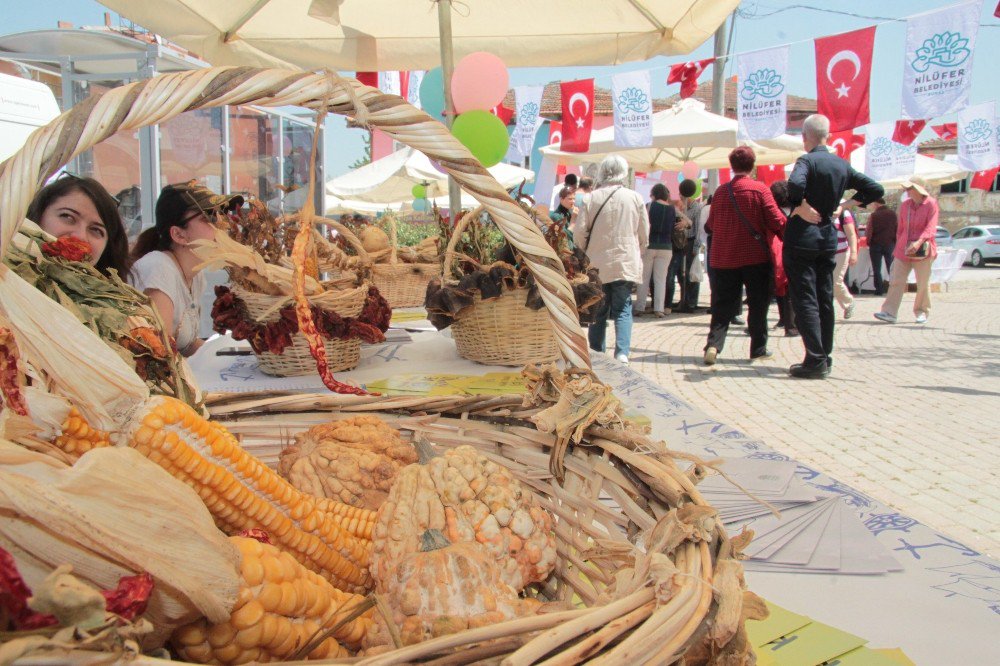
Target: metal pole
227, 186
447, 67
149, 153
718, 90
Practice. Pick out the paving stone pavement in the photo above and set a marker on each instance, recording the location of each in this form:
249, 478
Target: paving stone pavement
909, 414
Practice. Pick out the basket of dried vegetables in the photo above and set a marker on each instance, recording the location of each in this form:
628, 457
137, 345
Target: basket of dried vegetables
542, 528
489, 299
259, 306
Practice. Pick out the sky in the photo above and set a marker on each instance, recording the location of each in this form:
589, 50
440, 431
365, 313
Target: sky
758, 24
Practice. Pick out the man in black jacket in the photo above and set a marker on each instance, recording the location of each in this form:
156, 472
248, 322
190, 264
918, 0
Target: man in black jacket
815, 190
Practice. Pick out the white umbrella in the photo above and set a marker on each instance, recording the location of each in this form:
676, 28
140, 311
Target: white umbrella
391, 179
382, 35
684, 132
933, 171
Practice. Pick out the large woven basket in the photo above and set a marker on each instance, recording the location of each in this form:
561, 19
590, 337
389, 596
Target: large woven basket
614, 484
296, 359
500, 331
402, 284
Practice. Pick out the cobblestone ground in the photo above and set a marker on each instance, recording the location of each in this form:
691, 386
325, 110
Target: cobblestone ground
909, 415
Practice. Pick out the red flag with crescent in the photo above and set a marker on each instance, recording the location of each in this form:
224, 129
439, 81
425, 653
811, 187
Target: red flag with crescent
555, 132
367, 78
687, 74
770, 173
983, 180
503, 113
947, 131
843, 78
845, 143
577, 115
906, 131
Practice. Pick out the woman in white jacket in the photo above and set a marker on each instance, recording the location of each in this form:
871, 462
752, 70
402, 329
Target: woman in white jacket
613, 228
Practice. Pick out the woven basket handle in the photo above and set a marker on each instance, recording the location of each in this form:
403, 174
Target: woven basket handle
460, 225
393, 238
349, 236
161, 98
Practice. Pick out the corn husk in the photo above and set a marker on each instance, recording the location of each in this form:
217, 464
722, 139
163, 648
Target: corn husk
224, 252
73, 361
112, 514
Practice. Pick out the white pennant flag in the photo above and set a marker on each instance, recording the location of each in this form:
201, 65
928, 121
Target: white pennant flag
977, 137
880, 151
633, 107
761, 81
937, 72
904, 159
388, 82
528, 107
413, 91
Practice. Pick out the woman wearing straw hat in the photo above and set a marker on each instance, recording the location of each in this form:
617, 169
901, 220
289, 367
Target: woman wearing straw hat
915, 251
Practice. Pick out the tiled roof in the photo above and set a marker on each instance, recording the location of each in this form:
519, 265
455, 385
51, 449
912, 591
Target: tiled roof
552, 101
940, 146
796, 104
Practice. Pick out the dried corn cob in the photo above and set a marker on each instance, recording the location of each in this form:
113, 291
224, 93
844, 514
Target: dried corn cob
356, 520
243, 493
281, 606
77, 437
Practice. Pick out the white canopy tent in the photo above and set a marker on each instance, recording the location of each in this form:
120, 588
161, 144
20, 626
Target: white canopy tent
684, 132
390, 180
382, 35
934, 171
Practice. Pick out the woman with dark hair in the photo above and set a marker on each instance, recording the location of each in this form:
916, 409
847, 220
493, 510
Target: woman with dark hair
82, 208
743, 218
658, 252
786, 318
164, 265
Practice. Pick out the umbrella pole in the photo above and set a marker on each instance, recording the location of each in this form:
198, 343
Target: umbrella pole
447, 67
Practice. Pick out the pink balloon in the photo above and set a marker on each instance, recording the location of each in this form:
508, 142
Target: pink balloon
691, 170
479, 82
673, 187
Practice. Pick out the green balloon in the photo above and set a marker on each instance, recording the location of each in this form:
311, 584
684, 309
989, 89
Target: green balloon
483, 134
697, 188
419, 191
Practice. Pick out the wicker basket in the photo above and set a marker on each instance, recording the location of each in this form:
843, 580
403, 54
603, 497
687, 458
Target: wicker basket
296, 359
615, 487
500, 331
403, 285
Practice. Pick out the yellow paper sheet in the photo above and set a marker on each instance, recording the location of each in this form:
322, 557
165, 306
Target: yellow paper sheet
492, 383
400, 317
780, 622
417, 385
863, 656
811, 645
896, 655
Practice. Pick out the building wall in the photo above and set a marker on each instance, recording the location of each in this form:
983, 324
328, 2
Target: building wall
973, 207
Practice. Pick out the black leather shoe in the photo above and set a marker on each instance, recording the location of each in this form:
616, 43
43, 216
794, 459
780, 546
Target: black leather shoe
791, 332
803, 372
829, 363
738, 321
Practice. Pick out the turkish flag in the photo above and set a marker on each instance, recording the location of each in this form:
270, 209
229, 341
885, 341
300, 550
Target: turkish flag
687, 74
577, 115
555, 132
503, 113
946, 131
907, 130
846, 143
725, 175
843, 78
996, 12
983, 180
367, 78
770, 173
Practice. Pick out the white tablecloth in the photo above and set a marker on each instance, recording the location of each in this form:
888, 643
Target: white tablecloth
947, 264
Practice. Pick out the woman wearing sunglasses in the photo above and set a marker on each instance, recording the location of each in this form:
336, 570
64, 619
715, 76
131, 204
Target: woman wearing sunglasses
164, 264
82, 208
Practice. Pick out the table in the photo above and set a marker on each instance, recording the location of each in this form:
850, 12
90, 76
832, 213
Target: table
946, 265
940, 609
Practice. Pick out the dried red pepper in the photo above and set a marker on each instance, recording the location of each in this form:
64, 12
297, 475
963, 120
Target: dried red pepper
257, 534
130, 598
9, 385
70, 248
14, 595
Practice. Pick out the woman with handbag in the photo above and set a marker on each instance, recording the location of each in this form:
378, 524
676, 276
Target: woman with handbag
656, 257
915, 251
743, 217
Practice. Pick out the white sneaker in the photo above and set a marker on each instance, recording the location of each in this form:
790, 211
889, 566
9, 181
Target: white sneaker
886, 317
622, 358
921, 318
849, 311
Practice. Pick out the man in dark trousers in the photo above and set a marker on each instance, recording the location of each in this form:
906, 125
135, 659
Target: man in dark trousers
815, 190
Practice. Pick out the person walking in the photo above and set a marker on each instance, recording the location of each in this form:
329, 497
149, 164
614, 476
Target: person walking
656, 256
815, 189
847, 255
613, 229
915, 251
742, 219
786, 318
881, 237
690, 289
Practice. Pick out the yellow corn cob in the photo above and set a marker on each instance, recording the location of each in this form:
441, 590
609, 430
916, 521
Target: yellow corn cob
356, 520
77, 437
280, 607
243, 493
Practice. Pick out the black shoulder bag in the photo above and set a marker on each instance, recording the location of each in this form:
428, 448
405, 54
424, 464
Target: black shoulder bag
590, 229
759, 237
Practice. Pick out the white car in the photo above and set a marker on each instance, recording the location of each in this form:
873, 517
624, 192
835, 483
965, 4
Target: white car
982, 242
